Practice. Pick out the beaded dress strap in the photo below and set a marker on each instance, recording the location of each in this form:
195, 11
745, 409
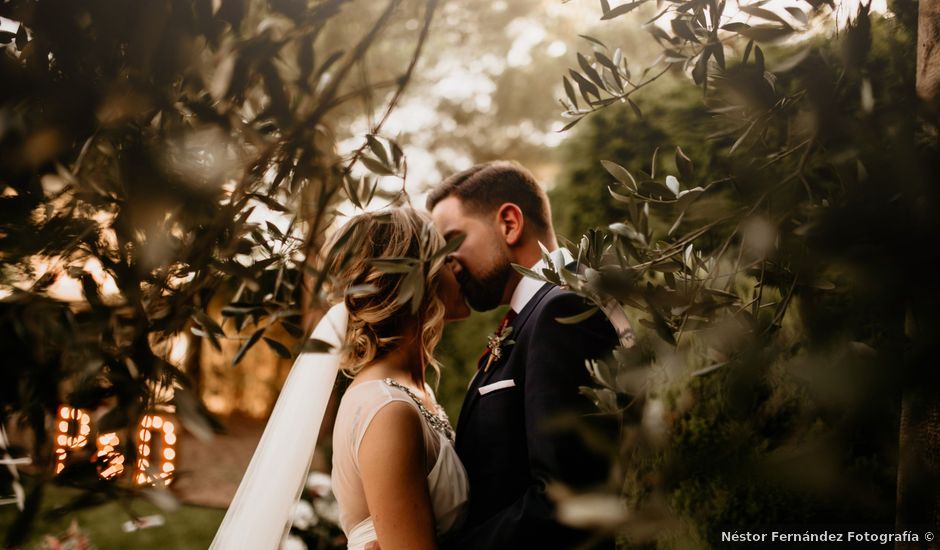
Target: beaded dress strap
439, 422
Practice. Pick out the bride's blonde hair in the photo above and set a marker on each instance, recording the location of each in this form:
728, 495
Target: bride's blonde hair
386, 267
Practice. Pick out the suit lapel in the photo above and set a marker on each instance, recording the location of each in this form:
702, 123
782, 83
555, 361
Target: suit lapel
482, 378
529, 308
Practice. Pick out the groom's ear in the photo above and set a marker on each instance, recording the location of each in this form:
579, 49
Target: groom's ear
510, 222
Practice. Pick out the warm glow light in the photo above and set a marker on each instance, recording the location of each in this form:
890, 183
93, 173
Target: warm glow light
111, 462
66, 438
74, 430
178, 349
150, 426
557, 48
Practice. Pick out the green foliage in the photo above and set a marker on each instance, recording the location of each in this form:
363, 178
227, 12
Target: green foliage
675, 118
164, 155
766, 265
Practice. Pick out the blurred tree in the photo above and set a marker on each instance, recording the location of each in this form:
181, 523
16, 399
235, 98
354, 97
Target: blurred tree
919, 461
928, 52
776, 329
154, 156
483, 91
580, 199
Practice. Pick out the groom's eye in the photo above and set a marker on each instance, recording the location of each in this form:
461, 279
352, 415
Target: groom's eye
452, 235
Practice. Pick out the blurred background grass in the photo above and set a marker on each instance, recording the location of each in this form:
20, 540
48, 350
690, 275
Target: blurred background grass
187, 528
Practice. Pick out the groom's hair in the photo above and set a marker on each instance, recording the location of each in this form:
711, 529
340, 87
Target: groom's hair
485, 187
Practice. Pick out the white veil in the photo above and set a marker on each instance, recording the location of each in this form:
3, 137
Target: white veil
259, 516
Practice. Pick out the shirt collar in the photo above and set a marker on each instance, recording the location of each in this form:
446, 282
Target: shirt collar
528, 286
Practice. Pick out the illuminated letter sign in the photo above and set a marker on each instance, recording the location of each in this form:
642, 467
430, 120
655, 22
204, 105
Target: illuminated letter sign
156, 445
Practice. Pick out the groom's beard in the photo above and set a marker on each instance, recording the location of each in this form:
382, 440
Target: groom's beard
485, 293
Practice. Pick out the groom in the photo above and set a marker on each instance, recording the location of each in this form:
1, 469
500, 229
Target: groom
523, 418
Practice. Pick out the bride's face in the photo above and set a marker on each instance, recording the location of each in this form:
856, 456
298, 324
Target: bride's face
448, 290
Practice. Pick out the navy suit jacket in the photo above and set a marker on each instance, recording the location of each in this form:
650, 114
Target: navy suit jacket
516, 439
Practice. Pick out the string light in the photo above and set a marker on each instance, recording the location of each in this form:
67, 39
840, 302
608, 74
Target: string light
155, 431
71, 434
156, 440
110, 461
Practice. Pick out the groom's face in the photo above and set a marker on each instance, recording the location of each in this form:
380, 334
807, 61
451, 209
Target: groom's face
484, 266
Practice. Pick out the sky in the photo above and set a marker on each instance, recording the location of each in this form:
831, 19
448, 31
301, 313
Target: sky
469, 79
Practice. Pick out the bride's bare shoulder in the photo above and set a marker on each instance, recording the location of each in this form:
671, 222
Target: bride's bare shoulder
364, 399
394, 428
361, 394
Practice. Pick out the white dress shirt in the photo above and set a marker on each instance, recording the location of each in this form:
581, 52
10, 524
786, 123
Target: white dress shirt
561, 257
528, 286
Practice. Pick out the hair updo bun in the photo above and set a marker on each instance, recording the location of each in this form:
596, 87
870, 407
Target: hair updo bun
381, 264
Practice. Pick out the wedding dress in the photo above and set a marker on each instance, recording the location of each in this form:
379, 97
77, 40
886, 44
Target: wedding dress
447, 479
259, 516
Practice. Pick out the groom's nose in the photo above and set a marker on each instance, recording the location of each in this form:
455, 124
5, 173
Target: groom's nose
457, 267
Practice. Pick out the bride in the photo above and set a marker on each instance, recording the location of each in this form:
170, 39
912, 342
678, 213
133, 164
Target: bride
396, 476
